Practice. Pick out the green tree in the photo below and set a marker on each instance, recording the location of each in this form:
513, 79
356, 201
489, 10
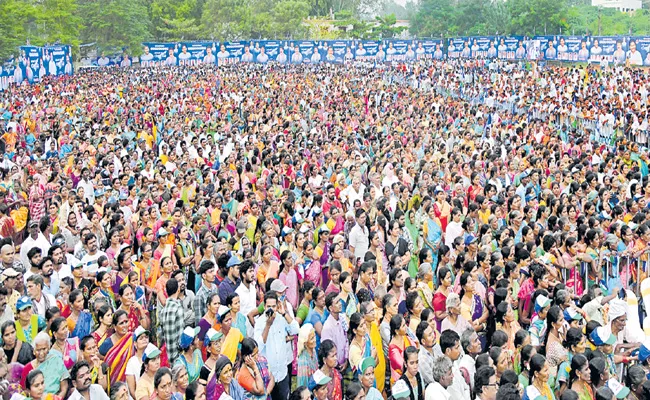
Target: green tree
531, 17
433, 19
17, 25
115, 23
176, 19
227, 19
59, 21
287, 17
385, 28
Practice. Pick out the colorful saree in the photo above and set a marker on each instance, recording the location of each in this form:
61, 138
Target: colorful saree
54, 372
83, 325
117, 357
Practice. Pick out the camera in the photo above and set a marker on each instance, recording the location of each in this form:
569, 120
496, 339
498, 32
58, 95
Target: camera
269, 312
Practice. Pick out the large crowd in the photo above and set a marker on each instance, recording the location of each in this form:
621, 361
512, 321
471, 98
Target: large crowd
326, 232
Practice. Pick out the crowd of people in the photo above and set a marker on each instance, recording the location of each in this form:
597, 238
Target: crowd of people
325, 232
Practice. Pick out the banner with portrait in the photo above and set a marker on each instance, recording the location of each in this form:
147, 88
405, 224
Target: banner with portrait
455, 47
7, 73
232, 52
108, 59
511, 48
638, 52
194, 53
333, 51
29, 64
56, 60
428, 49
159, 54
483, 47
399, 50
305, 52
547, 50
267, 50
602, 48
572, 48
369, 51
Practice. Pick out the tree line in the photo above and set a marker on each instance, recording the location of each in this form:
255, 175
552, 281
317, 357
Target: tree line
112, 25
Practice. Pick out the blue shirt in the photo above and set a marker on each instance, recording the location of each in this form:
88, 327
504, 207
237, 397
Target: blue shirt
53, 289
226, 288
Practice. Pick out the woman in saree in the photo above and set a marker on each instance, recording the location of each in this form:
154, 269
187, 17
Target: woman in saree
67, 347
254, 375
138, 316
149, 267
222, 383
441, 208
307, 361
360, 343
118, 348
327, 361
124, 267
104, 316
50, 363
432, 235
338, 254
414, 233
103, 290
347, 297
190, 353
400, 340
472, 307
79, 321
311, 267
209, 320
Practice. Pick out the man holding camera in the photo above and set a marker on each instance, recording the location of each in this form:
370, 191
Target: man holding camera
272, 333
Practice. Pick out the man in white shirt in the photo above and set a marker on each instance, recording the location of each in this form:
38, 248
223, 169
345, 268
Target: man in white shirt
450, 347
359, 242
36, 238
353, 192
84, 389
271, 330
41, 301
442, 379
247, 292
92, 255
472, 347
87, 184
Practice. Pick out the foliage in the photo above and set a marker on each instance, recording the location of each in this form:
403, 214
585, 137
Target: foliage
353, 28
523, 17
176, 19
116, 24
434, 18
